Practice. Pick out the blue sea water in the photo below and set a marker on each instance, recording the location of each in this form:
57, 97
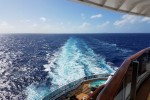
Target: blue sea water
31, 65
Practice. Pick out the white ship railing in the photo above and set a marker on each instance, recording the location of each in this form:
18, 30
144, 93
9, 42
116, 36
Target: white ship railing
71, 86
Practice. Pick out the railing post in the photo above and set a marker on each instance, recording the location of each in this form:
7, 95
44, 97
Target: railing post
149, 54
140, 59
135, 65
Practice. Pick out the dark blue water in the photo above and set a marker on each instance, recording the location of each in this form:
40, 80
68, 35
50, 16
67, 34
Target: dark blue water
31, 66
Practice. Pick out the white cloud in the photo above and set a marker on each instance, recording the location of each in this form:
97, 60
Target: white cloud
145, 19
127, 19
96, 16
131, 19
103, 24
37, 27
57, 27
3, 24
5, 27
43, 19
85, 25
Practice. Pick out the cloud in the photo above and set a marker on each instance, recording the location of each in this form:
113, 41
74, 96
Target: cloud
43, 19
4, 24
5, 27
85, 25
145, 19
131, 19
57, 27
96, 16
103, 24
127, 19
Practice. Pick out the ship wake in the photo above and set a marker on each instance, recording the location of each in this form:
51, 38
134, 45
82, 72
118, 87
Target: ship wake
72, 61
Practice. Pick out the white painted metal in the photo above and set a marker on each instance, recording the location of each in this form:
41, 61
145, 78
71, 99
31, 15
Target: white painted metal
136, 7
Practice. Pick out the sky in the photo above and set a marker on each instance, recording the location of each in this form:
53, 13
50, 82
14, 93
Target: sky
65, 16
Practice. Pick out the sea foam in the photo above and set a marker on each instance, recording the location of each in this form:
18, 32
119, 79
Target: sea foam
73, 61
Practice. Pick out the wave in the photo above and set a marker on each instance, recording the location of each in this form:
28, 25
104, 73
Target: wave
111, 46
73, 61
9, 89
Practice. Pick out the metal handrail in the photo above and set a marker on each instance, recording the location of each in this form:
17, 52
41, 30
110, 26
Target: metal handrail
64, 89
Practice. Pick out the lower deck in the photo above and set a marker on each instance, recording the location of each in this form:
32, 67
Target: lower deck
84, 90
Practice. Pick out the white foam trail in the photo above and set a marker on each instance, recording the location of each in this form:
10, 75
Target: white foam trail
36, 93
73, 61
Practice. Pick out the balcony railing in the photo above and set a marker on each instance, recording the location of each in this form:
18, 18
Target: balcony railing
128, 78
71, 86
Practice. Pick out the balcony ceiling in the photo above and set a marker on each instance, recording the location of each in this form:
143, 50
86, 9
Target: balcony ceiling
135, 7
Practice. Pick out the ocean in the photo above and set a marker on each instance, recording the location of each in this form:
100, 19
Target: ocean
33, 65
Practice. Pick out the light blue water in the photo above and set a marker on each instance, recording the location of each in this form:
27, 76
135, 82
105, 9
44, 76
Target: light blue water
97, 83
